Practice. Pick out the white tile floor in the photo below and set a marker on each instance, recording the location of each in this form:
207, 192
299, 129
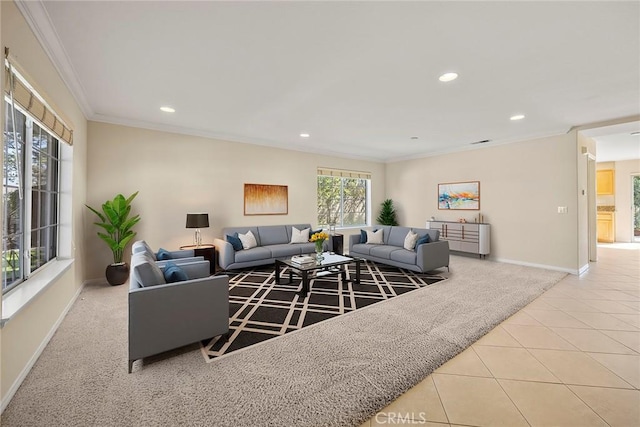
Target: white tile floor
570, 358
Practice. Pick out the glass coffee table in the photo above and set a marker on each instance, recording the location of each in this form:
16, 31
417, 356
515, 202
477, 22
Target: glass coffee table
330, 265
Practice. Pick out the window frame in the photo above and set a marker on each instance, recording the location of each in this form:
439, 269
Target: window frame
367, 208
27, 185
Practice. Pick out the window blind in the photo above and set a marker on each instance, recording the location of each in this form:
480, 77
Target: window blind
344, 173
25, 96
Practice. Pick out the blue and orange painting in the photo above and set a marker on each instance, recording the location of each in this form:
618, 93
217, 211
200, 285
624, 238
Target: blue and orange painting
459, 195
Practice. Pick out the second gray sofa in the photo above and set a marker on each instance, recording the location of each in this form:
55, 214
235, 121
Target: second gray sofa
425, 257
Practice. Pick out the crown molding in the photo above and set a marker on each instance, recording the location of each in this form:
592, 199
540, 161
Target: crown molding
37, 17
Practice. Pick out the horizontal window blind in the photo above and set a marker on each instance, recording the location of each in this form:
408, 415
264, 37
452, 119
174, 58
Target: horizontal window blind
25, 96
344, 173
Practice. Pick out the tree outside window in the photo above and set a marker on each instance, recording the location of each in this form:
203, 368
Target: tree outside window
342, 201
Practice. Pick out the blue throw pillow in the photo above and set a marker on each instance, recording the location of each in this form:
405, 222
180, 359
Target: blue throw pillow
363, 236
423, 239
312, 232
163, 255
235, 242
173, 273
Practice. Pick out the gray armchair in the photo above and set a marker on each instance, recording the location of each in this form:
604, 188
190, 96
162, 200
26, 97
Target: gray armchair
164, 316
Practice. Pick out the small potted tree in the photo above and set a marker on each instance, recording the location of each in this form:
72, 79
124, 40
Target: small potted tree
387, 213
115, 221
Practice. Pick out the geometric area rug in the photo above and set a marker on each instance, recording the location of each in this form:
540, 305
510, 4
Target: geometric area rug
260, 310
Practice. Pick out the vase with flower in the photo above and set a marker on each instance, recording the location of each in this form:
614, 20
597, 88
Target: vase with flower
318, 239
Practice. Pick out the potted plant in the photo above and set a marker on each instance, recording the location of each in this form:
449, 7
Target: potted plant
387, 214
115, 221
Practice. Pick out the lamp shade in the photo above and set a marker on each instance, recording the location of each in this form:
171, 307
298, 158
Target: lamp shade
197, 220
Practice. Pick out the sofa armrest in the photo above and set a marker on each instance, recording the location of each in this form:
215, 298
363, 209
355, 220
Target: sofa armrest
183, 253
168, 316
226, 253
433, 255
193, 270
354, 239
179, 261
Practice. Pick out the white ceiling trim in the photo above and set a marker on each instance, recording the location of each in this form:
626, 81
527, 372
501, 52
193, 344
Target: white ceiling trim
38, 20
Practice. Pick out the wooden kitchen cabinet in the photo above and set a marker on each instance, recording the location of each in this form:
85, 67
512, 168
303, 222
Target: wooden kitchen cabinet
606, 227
605, 182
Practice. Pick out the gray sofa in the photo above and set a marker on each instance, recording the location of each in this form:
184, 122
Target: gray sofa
164, 316
273, 242
425, 257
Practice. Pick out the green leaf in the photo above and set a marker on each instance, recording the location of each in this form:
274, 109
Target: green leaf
116, 221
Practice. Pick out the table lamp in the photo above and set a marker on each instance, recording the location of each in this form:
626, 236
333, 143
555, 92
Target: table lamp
197, 221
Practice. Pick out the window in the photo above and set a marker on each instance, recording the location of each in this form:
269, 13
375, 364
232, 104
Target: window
343, 198
30, 197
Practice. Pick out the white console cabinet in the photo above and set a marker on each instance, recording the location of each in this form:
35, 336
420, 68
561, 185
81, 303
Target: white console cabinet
464, 237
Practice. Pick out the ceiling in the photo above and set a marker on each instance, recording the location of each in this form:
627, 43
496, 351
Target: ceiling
360, 77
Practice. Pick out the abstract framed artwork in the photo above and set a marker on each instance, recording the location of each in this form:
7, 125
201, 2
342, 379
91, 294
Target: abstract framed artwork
264, 199
459, 196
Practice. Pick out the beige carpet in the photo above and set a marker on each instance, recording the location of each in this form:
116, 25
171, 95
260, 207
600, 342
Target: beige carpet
338, 372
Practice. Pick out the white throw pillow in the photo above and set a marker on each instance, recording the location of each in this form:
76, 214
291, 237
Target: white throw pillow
248, 240
300, 236
410, 241
375, 237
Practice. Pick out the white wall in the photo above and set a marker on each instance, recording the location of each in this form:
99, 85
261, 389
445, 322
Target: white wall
521, 187
176, 174
27, 332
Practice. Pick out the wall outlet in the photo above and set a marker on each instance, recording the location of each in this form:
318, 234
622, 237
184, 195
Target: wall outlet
562, 209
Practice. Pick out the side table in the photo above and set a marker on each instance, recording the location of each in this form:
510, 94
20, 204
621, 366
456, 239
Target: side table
337, 242
206, 250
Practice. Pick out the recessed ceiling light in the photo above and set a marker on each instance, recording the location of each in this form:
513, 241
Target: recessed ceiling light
414, 137
304, 135
635, 133
447, 77
167, 109
517, 117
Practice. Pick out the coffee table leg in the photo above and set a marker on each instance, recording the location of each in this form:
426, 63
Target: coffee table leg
277, 272
305, 285
357, 281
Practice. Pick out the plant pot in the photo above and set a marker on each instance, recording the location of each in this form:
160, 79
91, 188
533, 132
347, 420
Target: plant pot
118, 273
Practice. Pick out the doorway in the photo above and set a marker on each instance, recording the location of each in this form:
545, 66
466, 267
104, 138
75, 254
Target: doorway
635, 208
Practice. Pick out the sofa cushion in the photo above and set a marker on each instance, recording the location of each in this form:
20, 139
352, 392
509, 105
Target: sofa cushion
375, 237
235, 241
253, 254
362, 248
173, 273
363, 236
285, 250
163, 254
273, 235
397, 235
404, 256
410, 240
149, 274
248, 240
299, 236
382, 251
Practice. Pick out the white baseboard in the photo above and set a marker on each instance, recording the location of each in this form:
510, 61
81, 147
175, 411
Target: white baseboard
583, 269
546, 267
16, 384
